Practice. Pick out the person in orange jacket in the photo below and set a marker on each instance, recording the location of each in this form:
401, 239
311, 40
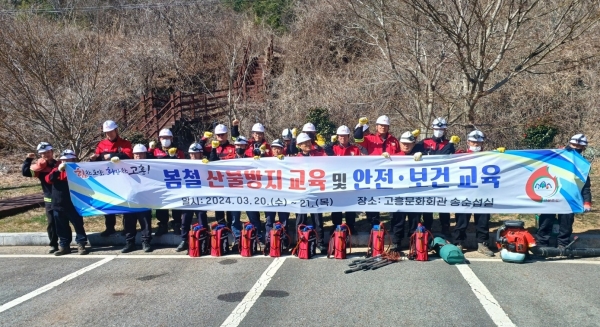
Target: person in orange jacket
40, 169
341, 146
63, 209
112, 146
307, 149
166, 151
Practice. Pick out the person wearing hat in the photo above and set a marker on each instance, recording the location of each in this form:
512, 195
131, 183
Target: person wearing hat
195, 151
437, 145
63, 209
289, 140
257, 145
166, 151
341, 146
577, 143
475, 141
42, 167
277, 148
408, 147
376, 144
112, 146
306, 147
144, 218
221, 149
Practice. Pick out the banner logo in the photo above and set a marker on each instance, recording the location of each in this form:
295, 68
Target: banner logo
541, 186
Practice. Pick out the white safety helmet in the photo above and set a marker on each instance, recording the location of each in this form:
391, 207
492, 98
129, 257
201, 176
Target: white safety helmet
286, 134
139, 148
109, 125
165, 132
580, 139
302, 137
439, 123
476, 136
43, 147
343, 130
407, 137
221, 129
365, 127
309, 127
195, 148
258, 127
277, 143
240, 141
383, 120
67, 154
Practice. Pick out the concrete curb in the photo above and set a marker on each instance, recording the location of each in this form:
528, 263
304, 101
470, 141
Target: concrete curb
362, 239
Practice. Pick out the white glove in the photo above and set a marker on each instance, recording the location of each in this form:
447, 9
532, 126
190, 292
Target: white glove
385, 155
152, 145
418, 156
62, 167
115, 159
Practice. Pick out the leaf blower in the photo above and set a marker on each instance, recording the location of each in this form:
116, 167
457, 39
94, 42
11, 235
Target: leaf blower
219, 240
515, 242
307, 242
377, 241
277, 236
339, 239
248, 241
198, 241
419, 244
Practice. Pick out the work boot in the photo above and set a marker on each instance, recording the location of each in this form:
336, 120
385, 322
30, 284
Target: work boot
235, 247
108, 232
146, 246
81, 249
483, 248
53, 248
62, 251
129, 246
176, 228
322, 249
182, 246
396, 248
446, 232
161, 230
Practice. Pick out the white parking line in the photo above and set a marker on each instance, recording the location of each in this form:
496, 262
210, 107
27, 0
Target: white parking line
486, 298
52, 285
240, 311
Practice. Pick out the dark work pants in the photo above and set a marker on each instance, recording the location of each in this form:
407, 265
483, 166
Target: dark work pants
254, 217
62, 218
162, 215
186, 221
51, 228
373, 218
283, 218
233, 221
336, 219
482, 222
130, 224
317, 218
398, 223
428, 220
565, 222
110, 221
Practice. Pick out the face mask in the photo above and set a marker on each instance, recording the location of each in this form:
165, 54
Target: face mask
475, 148
438, 133
240, 151
165, 143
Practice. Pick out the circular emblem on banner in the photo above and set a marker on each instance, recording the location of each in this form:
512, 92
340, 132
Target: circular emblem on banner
541, 186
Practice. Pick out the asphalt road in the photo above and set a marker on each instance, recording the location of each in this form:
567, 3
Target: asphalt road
164, 289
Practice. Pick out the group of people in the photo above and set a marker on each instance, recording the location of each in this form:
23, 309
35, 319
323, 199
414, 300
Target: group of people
217, 145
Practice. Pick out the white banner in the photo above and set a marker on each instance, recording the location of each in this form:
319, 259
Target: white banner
527, 181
